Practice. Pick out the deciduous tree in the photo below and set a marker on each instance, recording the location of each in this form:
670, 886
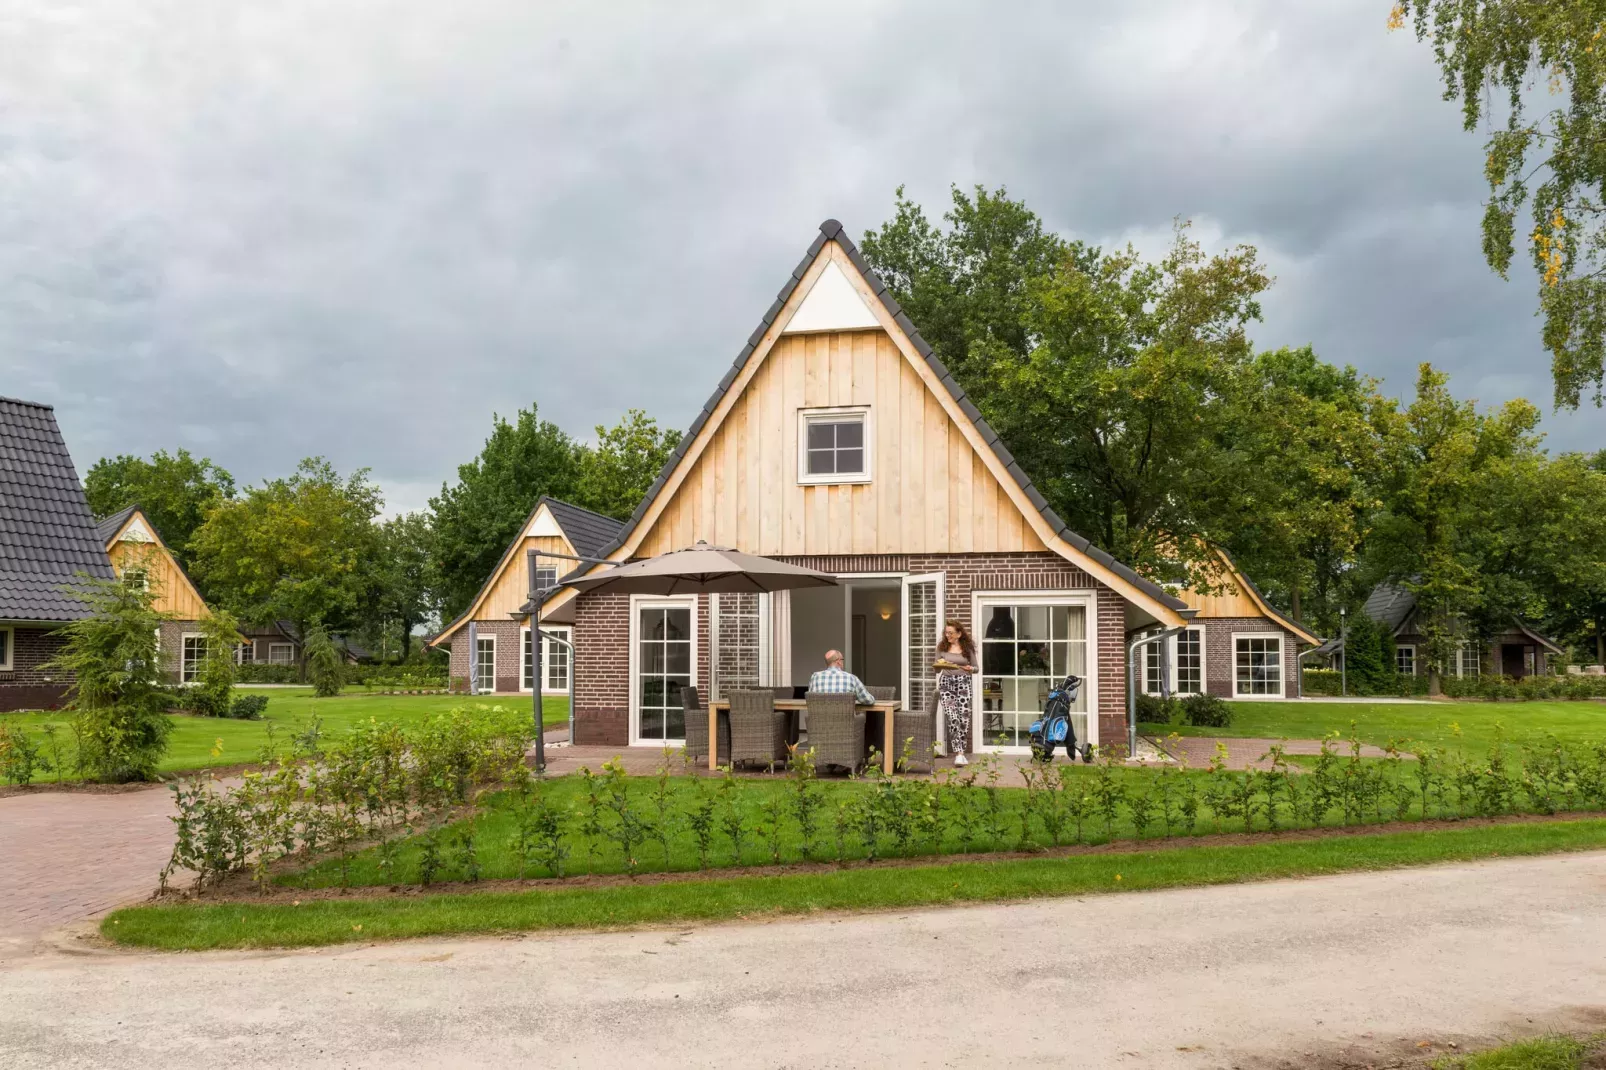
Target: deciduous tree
176, 491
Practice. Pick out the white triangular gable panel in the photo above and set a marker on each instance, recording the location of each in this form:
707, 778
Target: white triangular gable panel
137, 532
543, 525
832, 305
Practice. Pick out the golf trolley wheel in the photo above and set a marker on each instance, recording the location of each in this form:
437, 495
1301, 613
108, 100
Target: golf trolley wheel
1042, 750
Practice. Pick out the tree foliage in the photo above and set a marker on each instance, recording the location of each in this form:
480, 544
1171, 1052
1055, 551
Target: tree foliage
212, 690
325, 665
404, 577
300, 548
616, 472
117, 696
1491, 54
176, 491
476, 517
1130, 393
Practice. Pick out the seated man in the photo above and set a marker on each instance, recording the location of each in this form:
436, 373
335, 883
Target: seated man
835, 680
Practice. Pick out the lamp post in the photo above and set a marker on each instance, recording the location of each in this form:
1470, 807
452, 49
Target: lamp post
1343, 652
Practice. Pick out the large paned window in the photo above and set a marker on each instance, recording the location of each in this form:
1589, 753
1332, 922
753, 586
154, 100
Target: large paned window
1027, 648
1405, 660
556, 657
1469, 661
923, 615
1153, 661
194, 655
245, 653
281, 654
833, 446
5, 648
485, 663
664, 664
1257, 664
1190, 662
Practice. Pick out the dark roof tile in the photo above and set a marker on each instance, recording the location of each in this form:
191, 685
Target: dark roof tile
48, 538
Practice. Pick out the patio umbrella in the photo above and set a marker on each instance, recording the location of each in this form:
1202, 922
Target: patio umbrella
700, 569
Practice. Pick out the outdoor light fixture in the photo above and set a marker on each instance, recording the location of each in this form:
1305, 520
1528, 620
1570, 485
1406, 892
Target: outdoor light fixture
886, 612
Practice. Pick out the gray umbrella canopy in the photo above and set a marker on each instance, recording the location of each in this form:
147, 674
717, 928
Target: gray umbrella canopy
701, 569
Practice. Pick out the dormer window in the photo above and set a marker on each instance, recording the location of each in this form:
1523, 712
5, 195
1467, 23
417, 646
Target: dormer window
834, 445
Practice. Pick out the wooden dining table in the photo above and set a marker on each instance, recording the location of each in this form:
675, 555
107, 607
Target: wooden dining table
886, 708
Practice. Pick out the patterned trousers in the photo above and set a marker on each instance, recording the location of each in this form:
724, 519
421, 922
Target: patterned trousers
953, 706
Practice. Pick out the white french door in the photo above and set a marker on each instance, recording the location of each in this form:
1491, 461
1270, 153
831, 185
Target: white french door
663, 660
922, 624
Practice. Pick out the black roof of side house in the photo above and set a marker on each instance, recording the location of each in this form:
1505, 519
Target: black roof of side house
48, 539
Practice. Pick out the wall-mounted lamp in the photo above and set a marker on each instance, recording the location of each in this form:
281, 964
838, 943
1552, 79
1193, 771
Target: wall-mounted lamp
886, 612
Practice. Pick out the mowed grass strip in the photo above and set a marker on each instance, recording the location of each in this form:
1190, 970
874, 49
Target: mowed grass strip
194, 927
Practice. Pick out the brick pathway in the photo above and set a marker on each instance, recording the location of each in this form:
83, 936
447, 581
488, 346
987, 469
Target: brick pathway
68, 856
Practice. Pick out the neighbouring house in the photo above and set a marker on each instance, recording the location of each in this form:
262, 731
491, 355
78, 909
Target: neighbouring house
48, 544
840, 442
1518, 651
277, 643
490, 641
1237, 646
138, 555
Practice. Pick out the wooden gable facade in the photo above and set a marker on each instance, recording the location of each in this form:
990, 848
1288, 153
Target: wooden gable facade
490, 641
137, 552
920, 510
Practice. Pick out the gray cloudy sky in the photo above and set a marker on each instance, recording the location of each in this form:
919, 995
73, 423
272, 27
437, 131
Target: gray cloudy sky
355, 228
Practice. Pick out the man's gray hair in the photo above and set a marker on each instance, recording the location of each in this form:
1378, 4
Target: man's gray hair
833, 656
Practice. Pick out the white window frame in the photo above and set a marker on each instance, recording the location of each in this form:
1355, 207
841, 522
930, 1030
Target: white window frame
1401, 648
1282, 664
183, 658
241, 650
1085, 599
1173, 656
1476, 650
128, 572
488, 637
566, 631
638, 602
289, 660
838, 414
9, 660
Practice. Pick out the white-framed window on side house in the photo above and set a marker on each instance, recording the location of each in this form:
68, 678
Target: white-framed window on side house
834, 445
555, 658
1257, 664
1186, 651
281, 654
194, 653
1189, 677
137, 577
7, 639
485, 663
245, 653
1469, 660
1405, 659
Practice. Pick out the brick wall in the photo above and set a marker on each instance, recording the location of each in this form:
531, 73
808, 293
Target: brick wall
29, 686
602, 631
1219, 658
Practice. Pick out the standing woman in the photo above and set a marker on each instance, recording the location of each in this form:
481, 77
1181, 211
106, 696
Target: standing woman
955, 664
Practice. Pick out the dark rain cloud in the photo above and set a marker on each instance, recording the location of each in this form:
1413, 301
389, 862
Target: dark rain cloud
266, 231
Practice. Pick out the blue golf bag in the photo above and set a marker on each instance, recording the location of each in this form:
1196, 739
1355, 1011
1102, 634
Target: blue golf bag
1053, 729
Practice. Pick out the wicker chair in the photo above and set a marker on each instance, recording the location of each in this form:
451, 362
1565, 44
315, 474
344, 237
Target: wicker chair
697, 727
883, 692
836, 731
758, 729
921, 727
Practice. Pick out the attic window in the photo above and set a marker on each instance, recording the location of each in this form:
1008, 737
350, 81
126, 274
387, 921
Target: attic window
834, 445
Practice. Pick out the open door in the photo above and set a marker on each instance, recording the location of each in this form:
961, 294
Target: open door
922, 623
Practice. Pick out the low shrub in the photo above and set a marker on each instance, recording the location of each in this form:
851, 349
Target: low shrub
407, 677
20, 760
1206, 711
263, 672
1152, 709
1331, 683
1573, 687
247, 708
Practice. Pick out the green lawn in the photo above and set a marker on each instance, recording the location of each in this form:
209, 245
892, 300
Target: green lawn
210, 742
1468, 726
1540, 1053
331, 921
